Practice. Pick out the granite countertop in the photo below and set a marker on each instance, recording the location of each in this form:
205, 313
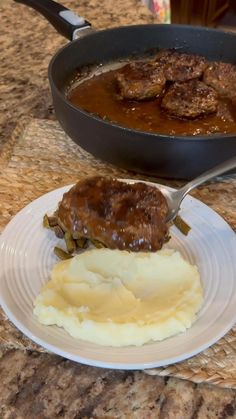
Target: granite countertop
38, 385
28, 42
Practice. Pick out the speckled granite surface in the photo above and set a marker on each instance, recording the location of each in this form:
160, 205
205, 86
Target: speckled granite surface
38, 386
28, 42
41, 386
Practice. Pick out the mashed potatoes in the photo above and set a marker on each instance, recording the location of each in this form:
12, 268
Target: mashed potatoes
118, 298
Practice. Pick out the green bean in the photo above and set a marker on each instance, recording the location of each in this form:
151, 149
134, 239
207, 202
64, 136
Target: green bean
70, 242
49, 222
61, 254
82, 243
52, 221
182, 226
58, 231
46, 221
97, 243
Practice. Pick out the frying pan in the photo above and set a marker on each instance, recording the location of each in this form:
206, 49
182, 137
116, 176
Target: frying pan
168, 156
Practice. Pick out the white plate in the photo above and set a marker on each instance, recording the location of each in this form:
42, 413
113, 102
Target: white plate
26, 251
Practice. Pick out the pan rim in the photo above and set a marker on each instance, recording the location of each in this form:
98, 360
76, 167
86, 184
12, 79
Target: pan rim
206, 137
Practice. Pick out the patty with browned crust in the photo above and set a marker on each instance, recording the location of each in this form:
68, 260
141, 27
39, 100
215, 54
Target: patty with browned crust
179, 66
222, 77
119, 215
140, 80
190, 99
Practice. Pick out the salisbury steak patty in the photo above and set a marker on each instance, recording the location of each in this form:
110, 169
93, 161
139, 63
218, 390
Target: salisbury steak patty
222, 77
190, 99
179, 66
119, 215
140, 80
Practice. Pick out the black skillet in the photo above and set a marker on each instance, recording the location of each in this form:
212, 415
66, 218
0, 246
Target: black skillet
154, 154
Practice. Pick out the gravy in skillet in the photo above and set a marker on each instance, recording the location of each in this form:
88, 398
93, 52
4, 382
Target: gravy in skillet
102, 95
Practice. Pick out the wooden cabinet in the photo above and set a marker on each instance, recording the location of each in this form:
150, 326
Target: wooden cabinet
198, 12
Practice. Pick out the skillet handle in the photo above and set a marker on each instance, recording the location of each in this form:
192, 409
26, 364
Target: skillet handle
66, 22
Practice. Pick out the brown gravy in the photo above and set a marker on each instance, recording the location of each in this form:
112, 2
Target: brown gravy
98, 95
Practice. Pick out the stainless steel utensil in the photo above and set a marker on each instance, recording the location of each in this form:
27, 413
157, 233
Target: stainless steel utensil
174, 198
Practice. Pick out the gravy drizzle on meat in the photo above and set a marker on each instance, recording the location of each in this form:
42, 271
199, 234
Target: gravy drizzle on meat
119, 215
